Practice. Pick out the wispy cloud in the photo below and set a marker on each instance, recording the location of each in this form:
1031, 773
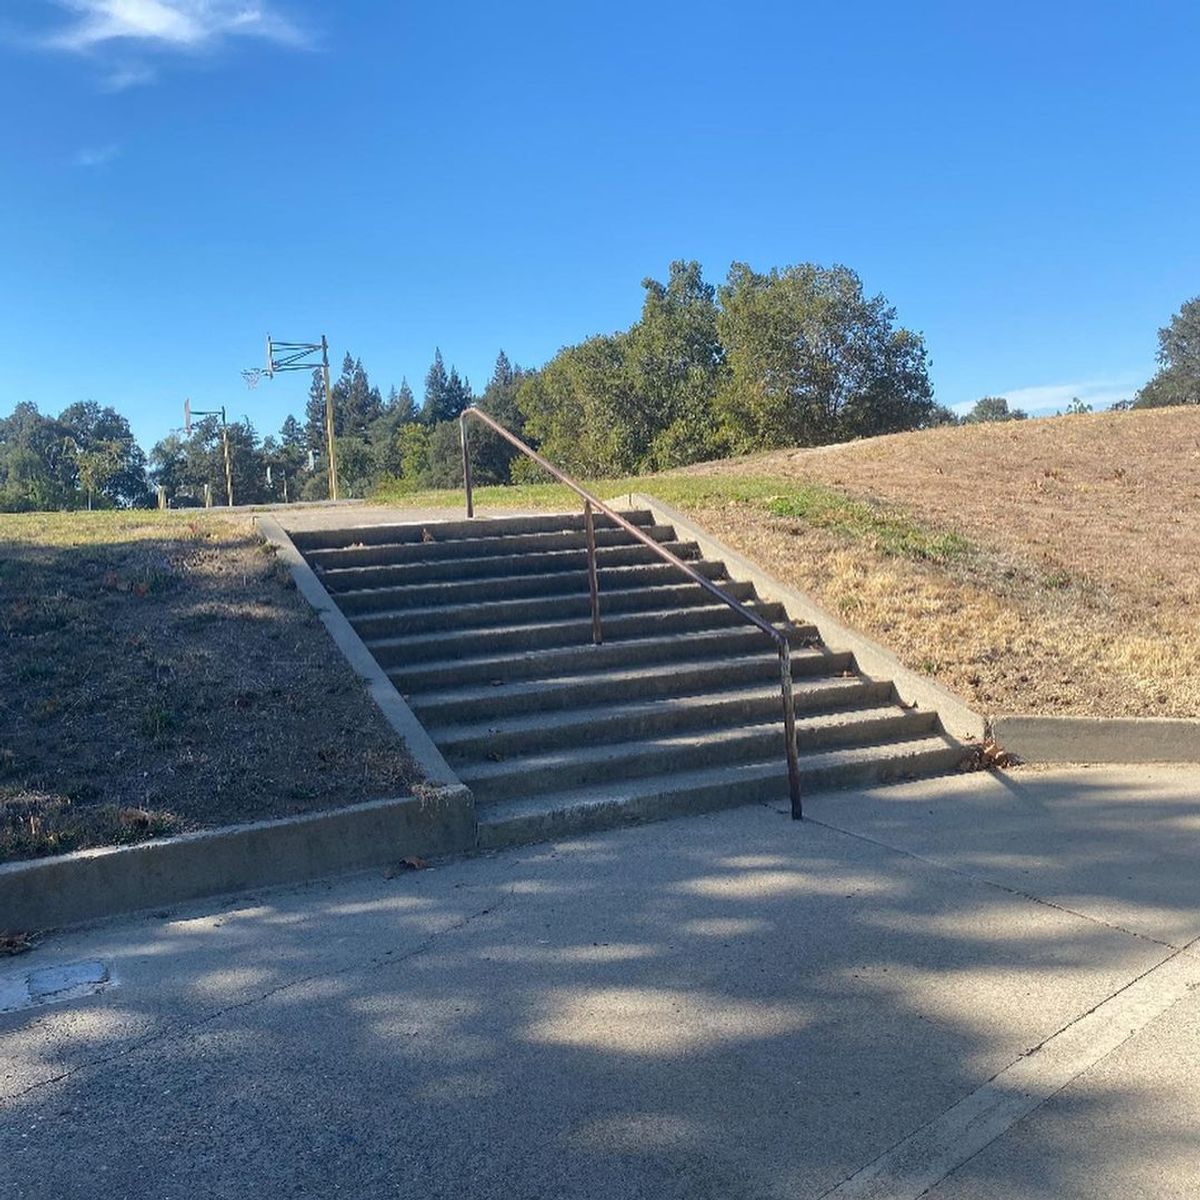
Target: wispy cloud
121, 79
1044, 398
187, 25
96, 156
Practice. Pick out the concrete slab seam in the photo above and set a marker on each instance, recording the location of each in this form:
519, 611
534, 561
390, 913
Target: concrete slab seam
386, 959
983, 880
940, 1147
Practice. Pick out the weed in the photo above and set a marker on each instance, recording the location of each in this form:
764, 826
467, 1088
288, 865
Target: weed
889, 531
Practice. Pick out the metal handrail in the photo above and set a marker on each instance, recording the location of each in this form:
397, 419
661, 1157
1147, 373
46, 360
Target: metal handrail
591, 503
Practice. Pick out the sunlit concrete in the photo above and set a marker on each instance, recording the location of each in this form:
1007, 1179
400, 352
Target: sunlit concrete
733, 1005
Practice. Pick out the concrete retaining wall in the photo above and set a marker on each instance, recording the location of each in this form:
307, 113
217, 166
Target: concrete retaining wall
90, 884
401, 718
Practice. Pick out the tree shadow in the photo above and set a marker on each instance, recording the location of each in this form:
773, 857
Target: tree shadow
732, 1005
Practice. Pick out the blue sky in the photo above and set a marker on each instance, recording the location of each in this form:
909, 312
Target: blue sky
178, 177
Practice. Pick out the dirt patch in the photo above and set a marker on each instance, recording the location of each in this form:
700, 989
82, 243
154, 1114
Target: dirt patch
1074, 585
161, 674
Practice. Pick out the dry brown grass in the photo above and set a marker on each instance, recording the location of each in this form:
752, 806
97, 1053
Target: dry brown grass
1082, 588
160, 674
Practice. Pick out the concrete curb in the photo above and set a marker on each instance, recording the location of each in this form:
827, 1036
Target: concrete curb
88, 885
1035, 739
383, 691
957, 717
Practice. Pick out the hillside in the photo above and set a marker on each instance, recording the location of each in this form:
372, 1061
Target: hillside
1048, 566
162, 674
1073, 585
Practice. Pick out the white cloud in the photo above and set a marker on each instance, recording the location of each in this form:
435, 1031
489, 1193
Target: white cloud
171, 24
1045, 398
96, 156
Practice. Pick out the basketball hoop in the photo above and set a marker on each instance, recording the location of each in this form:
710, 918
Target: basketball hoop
252, 375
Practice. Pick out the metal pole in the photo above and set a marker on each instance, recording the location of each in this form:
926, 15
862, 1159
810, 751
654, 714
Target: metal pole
329, 434
589, 527
228, 471
789, 728
466, 459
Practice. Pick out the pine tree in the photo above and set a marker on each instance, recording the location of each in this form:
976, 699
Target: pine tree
291, 433
361, 402
314, 414
458, 395
402, 404
436, 403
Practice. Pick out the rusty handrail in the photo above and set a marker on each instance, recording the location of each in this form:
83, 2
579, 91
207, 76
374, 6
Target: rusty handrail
591, 502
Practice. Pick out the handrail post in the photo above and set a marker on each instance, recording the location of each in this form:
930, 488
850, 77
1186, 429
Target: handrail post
589, 527
466, 461
789, 727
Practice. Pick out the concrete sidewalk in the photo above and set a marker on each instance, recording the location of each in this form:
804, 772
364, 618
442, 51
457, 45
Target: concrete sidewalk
723, 1006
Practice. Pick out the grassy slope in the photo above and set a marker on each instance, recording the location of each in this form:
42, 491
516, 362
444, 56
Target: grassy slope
160, 673
1048, 566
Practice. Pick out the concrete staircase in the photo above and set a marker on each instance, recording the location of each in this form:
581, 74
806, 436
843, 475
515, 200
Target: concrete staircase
485, 627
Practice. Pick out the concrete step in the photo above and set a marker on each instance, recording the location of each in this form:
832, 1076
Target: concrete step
583, 766
500, 697
573, 812
485, 667
463, 643
478, 527
528, 610
349, 579
512, 587
466, 548
502, 738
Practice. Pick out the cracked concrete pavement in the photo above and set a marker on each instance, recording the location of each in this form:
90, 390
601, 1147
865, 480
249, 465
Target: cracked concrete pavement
730, 1005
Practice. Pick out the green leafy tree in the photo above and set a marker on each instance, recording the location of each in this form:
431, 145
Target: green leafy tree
1177, 380
580, 409
813, 360
674, 363
993, 408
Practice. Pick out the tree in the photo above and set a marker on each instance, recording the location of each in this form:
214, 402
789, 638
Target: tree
458, 395
355, 402
437, 401
581, 410
291, 434
115, 463
1077, 407
812, 360
401, 404
491, 455
98, 467
314, 414
993, 408
1177, 380
675, 362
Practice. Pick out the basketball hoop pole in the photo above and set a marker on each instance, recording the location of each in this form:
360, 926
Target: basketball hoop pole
298, 356
188, 413
329, 433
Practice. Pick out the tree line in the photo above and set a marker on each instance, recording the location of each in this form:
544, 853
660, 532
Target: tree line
796, 356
